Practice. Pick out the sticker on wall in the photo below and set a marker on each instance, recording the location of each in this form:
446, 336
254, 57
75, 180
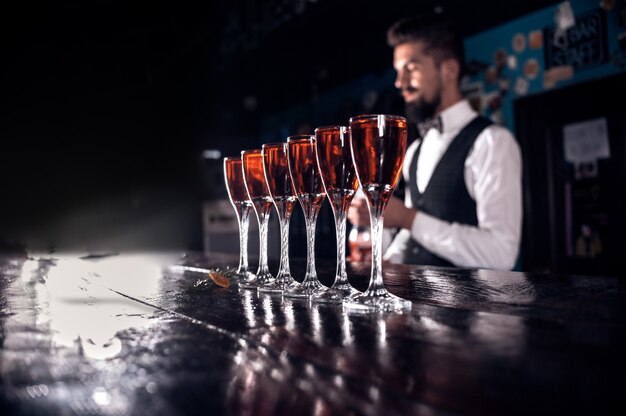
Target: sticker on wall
535, 39
555, 74
491, 75
519, 42
564, 17
521, 86
531, 68
493, 100
503, 85
499, 58
511, 62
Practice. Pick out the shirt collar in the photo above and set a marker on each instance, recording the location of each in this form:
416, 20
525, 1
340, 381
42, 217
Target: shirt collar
456, 116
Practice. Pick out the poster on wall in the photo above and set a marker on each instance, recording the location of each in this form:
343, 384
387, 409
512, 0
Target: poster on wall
584, 45
584, 143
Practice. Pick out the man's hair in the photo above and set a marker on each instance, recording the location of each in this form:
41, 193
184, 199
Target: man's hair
440, 38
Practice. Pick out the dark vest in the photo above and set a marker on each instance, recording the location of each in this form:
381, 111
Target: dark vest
445, 196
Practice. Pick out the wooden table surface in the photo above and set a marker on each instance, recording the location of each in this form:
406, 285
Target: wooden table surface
129, 335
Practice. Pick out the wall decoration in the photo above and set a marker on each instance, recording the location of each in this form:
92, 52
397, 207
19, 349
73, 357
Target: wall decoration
499, 58
535, 39
531, 68
586, 141
521, 86
555, 74
519, 42
494, 102
503, 85
491, 75
564, 16
583, 45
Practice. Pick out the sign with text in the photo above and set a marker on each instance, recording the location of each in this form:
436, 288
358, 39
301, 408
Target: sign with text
581, 46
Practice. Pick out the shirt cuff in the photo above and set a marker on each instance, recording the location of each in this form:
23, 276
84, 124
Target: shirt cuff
395, 251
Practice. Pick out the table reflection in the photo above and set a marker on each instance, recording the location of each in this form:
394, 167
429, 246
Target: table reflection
127, 334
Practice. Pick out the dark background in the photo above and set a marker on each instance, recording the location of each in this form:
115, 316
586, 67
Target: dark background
108, 105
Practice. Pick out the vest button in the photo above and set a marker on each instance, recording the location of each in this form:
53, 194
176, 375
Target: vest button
420, 202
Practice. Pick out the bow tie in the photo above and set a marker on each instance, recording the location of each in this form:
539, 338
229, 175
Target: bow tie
431, 123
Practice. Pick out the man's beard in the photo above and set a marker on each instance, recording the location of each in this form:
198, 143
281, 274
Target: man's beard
421, 110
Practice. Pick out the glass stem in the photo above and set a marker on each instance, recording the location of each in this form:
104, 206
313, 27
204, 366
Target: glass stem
244, 222
376, 285
263, 225
341, 276
283, 270
311, 220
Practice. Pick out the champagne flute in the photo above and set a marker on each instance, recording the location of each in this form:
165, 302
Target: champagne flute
340, 182
307, 184
276, 170
254, 179
233, 174
378, 144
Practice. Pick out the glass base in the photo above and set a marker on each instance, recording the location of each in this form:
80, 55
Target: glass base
376, 301
249, 284
242, 276
257, 281
336, 294
306, 289
279, 285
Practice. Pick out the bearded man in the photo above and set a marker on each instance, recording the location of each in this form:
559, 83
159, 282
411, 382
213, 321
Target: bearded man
463, 196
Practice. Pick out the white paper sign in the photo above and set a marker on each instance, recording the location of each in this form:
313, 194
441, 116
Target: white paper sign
586, 141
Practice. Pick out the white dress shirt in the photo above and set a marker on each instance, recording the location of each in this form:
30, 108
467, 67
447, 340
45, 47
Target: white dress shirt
493, 177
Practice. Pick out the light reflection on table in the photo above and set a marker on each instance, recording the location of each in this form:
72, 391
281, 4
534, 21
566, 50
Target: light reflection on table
122, 334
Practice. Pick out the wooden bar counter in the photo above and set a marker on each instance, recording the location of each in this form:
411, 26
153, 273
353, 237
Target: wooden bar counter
130, 335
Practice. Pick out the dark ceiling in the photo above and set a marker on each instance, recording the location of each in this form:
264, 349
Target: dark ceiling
104, 67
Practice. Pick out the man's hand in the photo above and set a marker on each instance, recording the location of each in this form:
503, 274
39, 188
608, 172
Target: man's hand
359, 213
397, 215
